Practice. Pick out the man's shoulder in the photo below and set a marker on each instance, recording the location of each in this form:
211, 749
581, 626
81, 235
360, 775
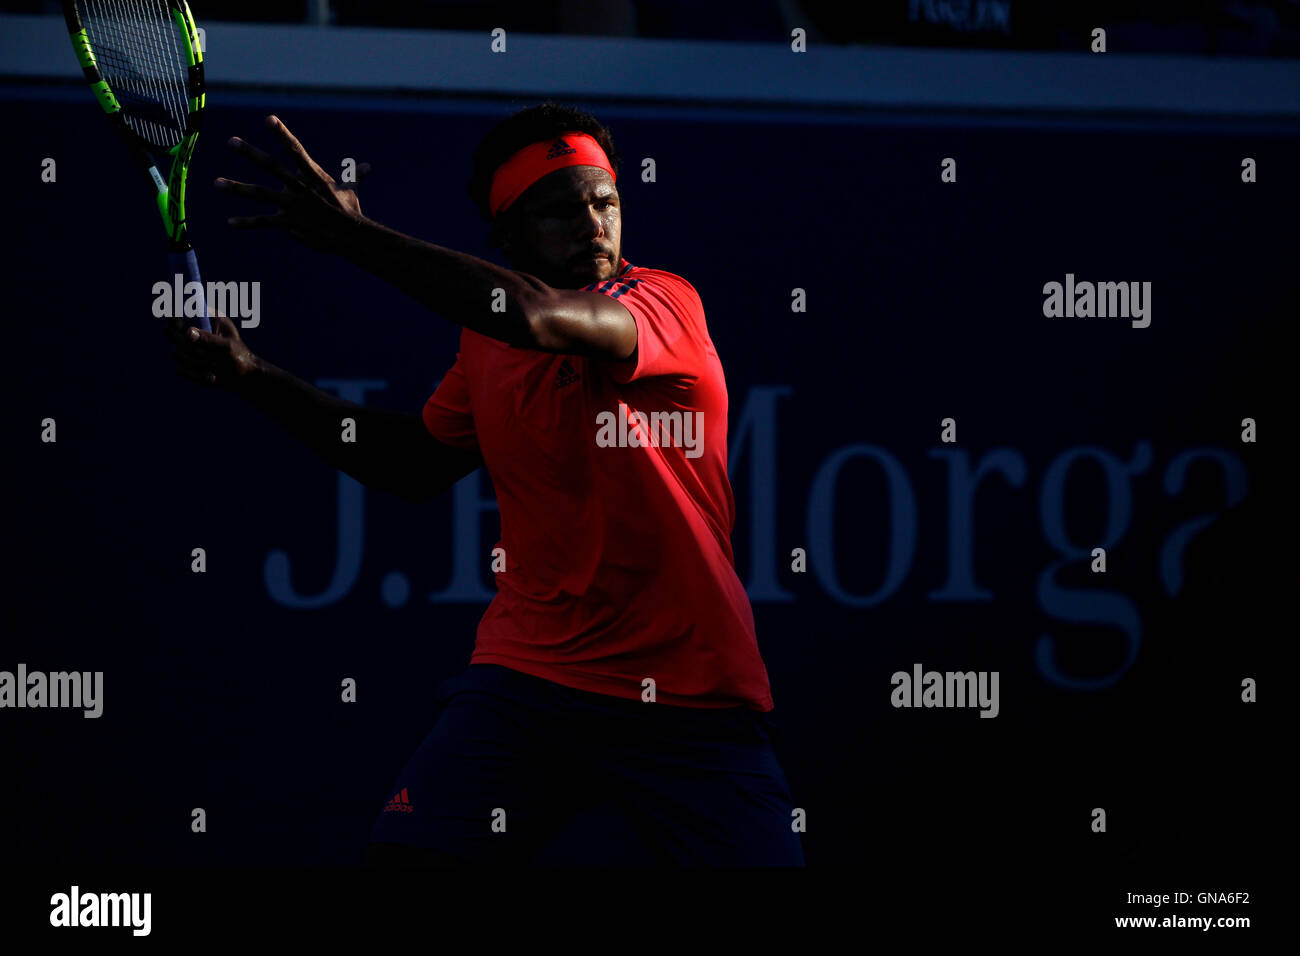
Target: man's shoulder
658, 279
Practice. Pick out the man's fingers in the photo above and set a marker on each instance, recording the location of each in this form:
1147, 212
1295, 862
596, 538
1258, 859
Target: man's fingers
251, 191
200, 356
295, 149
201, 345
224, 327
263, 160
178, 329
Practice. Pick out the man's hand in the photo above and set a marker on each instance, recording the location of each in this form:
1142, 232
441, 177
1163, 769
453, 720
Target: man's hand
313, 208
218, 359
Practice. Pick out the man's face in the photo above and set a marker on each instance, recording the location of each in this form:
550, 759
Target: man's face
567, 230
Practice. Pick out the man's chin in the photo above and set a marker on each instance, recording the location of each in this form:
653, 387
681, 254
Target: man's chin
594, 268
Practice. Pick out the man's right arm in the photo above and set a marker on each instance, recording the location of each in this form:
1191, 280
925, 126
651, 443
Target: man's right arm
392, 452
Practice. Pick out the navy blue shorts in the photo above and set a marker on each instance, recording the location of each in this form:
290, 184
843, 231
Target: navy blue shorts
512, 757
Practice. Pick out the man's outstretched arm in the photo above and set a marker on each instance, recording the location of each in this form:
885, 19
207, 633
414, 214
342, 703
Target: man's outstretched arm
393, 451
327, 217
460, 287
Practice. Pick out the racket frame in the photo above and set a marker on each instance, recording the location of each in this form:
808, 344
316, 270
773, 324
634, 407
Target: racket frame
169, 192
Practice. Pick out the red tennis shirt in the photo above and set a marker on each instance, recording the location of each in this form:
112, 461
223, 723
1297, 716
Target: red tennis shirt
616, 511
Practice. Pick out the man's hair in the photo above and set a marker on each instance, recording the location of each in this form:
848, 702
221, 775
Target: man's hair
512, 134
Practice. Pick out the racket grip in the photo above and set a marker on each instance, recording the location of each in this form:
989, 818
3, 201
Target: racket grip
187, 264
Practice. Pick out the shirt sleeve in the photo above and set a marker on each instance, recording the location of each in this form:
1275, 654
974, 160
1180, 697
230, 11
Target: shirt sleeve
672, 338
447, 414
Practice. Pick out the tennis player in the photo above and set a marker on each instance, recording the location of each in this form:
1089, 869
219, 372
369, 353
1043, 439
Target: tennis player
618, 660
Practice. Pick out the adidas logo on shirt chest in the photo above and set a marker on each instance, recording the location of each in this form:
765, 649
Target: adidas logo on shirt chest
566, 374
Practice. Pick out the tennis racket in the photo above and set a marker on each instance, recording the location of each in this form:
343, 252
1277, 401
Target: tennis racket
143, 63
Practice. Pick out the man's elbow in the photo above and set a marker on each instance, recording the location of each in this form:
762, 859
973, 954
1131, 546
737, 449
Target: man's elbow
546, 331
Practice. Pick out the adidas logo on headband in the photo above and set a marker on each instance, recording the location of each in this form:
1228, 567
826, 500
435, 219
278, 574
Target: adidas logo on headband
560, 148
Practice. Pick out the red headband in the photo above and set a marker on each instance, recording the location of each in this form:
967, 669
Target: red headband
531, 163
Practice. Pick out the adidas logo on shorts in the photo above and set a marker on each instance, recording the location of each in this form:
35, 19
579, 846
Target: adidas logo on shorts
400, 804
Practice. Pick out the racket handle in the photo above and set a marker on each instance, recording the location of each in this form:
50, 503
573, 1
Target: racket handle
187, 264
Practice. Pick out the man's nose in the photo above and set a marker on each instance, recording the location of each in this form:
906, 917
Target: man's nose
592, 223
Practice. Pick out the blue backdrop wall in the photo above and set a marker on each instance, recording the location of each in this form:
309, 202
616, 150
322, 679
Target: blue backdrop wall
924, 301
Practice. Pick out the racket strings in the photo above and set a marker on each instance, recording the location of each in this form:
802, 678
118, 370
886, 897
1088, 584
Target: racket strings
140, 55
